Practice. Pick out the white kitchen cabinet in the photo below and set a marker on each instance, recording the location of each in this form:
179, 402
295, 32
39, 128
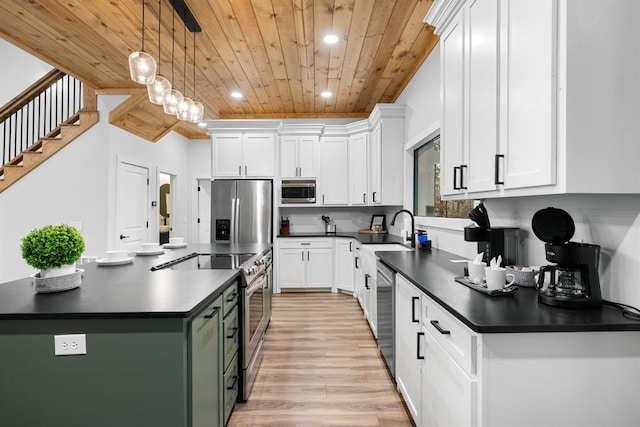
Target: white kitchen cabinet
298, 156
526, 107
344, 263
369, 262
408, 334
243, 154
358, 169
386, 150
334, 164
359, 275
305, 263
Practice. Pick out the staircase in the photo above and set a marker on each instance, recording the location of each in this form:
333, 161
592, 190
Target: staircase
41, 121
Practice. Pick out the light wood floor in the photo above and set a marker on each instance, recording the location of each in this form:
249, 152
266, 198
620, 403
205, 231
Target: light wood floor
321, 367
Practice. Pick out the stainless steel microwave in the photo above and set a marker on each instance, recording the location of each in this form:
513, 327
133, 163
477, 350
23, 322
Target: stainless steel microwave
298, 191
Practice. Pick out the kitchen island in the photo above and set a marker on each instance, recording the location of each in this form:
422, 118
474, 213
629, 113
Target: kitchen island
465, 358
144, 333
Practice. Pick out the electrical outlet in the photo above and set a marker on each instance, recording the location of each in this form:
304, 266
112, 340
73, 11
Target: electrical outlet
66, 345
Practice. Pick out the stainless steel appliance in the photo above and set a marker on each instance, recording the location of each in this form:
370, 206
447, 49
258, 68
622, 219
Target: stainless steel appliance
574, 280
298, 191
241, 211
386, 302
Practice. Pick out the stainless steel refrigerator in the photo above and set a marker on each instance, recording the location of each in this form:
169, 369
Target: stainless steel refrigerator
241, 211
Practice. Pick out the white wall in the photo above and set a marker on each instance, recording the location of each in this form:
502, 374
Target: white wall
21, 68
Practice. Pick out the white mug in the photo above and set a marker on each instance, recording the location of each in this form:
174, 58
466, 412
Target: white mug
176, 240
149, 247
497, 278
476, 271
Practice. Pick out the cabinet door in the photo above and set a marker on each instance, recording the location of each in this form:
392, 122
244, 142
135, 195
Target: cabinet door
359, 278
375, 166
358, 170
407, 331
452, 131
482, 59
529, 85
292, 265
319, 268
206, 367
288, 156
227, 156
448, 394
307, 156
344, 265
334, 163
258, 154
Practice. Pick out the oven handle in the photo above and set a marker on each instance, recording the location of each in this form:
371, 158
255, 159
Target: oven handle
254, 288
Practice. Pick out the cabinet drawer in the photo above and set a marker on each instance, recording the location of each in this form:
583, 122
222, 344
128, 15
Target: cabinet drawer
229, 299
230, 392
231, 336
456, 339
289, 243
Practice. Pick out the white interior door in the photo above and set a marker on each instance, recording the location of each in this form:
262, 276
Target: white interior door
204, 211
132, 218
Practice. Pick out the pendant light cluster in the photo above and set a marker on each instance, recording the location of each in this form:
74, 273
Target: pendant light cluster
145, 70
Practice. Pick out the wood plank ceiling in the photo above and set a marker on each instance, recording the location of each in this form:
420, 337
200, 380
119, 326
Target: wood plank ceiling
271, 51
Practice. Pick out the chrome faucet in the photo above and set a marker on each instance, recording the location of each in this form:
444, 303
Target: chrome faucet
413, 228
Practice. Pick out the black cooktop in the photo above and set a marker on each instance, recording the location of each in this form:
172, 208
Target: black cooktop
206, 262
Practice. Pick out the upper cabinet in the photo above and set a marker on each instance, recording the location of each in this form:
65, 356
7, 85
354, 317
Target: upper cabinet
334, 160
299, 151
386, 150
536, 102
243, 154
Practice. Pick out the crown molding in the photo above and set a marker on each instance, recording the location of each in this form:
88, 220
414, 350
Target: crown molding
441, 13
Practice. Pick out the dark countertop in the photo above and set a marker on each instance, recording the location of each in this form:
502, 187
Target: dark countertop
127, 291
433, 272
364, 238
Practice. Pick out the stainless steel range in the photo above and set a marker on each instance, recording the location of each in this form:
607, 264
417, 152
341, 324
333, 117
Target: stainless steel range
255, 303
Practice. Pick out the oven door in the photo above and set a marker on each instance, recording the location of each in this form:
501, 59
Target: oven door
254, 326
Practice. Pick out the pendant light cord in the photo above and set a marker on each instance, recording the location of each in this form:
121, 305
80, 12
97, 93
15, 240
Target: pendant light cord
194, 66
159, 24
142, 26
185, 59
173, 41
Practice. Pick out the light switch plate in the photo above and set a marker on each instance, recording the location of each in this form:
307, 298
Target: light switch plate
66, 345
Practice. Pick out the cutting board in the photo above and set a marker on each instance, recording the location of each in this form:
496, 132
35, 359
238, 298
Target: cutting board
368, 231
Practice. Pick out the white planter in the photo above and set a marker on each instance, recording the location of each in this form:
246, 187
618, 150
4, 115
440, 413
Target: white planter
63, 270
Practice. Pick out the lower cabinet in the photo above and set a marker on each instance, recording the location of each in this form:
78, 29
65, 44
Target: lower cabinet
370, 288
231, 340
206, 366
305, 263
344, 263
451, 376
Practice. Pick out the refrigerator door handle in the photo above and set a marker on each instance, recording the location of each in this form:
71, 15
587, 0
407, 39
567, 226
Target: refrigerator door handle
236, 231
233, 219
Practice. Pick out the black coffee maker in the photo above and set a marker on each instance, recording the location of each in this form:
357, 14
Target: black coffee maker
493, 241
573, 280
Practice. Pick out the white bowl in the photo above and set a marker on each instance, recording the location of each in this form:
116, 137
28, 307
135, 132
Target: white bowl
116, 255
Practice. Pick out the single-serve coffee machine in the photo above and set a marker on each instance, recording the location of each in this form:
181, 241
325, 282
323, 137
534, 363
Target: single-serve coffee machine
573, 281
493, 241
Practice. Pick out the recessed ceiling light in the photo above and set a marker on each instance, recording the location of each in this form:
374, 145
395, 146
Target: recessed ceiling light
326, 94
331, 39
202, 124
235, 94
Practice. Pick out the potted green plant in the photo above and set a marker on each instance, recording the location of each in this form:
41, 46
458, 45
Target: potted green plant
54, 250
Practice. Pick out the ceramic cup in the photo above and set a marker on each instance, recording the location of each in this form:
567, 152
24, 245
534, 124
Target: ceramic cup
176, 240
149, 247
476, 271
497, 278
115, 255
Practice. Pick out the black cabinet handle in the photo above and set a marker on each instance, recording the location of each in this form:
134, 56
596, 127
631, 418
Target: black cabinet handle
462, 168
240, 170
455, 177
245, 169
233, 334
357, 263
213, 313
233, 384
418, 355
497, 169
366, 281
302, 253
122, 237
374, 197
413, 309
436, 325
350, 246
232, 297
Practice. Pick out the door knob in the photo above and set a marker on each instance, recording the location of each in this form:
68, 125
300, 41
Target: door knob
122, 237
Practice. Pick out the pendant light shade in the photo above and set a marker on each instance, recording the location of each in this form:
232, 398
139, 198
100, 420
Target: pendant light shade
142, 66
184, 109
171, 102
197, 112
159, 90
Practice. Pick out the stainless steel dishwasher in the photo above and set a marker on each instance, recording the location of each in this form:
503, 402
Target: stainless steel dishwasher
386, 301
